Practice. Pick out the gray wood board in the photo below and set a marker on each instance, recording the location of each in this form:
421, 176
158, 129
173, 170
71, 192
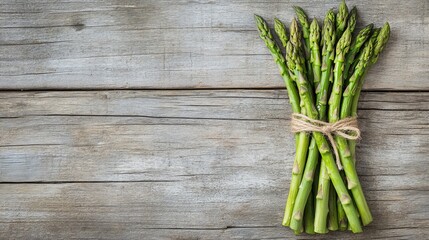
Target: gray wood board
183, 44
185, 164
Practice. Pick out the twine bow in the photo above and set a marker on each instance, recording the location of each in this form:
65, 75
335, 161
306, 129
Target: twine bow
346, 128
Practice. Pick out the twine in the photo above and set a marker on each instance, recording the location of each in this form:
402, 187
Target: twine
346, 128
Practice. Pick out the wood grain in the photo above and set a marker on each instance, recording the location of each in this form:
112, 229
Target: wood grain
191, 164
183, 44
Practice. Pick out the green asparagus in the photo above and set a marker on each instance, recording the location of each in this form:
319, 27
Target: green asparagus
323, 196
303, 138
341, 19
379, 39
360, 39
294, 61
280, 30
332, 214
303, 19
315, 58
351, 22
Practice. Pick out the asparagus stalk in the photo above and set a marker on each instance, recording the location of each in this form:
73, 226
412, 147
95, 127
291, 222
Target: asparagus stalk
381, 42
328, 55
314, 190
321, 212
373, 39
352, 143
309, 213
333, 214
303, 19
351, 22
302, 147
341, 23
343, 46
304, 192
303, 197
379, 38
322, 200
355, 79
279, 59
343, 148
280, 30
350, 91
334, 107
342, 219
315, 58
303, 138
295, 61
353, 180
355, 47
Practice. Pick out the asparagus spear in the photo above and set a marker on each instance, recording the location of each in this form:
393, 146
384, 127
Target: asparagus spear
343, 148
352, 143
309, 213
303, 138
333, 215
268, 38
322, 201
373, 37
354, 81
381, 41
351, 22
313, 151
334, 106
355, 47
315, 59
379, 38
295, 40
349, 93
303, 198
322, 96
342, 219
280, 29
295, 61
341, 23
295, 35
315, 184
328, 55
303, 19
343, 46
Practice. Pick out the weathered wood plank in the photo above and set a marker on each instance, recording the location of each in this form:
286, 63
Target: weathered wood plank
201, 209
47, 135
190, 164
182, 44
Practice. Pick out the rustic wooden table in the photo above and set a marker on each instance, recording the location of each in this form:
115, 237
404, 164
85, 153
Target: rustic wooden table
168, 120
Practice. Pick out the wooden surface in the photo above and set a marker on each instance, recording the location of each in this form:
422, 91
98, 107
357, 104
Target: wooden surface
168, 120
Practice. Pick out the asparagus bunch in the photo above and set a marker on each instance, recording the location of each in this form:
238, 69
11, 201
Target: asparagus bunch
323, 69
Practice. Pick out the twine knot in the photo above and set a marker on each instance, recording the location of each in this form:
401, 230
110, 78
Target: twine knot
346, 128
